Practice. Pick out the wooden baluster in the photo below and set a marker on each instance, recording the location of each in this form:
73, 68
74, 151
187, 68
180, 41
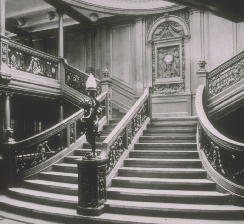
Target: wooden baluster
107, 107
150, 103
68, 136
126, 137
75, 132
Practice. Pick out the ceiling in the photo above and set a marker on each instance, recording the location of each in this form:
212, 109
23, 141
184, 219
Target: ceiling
35, 12
30, 16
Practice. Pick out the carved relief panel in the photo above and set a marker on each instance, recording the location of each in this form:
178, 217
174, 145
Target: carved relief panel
167, 37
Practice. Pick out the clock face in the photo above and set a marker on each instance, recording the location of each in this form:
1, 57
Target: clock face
168, 58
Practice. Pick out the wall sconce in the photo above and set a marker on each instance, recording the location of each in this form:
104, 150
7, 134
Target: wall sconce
94, 17
51, 15
21, 21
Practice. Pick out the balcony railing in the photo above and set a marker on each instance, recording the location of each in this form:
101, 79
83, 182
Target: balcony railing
225, 75
27, 59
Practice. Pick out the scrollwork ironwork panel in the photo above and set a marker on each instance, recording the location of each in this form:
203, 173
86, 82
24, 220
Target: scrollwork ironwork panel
222, 81
27, 62
227, 163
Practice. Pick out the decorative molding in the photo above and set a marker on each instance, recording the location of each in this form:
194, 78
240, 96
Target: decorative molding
168, 88
149, 7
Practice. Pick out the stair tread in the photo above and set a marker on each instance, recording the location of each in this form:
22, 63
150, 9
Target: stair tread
109, 217
46, 195
174, 206
60, 174
65, 164
164, 151
176, 118
53, 183
166, 143
155, 192
156, 160
164, 180
162, 169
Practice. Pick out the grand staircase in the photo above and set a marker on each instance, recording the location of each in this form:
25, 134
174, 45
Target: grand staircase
162, 181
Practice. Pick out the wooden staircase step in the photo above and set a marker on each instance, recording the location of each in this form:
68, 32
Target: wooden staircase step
167, 139
52, 186
163, 163
59, 176
163, 183
162, 172
166, 146
65, 167
176, 196
174, 209
43, 197
163, 154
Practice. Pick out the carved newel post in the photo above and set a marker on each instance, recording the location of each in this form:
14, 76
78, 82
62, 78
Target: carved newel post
202, 73
106, 83
91, 168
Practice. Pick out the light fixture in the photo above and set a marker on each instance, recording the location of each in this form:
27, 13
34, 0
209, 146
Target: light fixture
51, 15
91, 84
21, 21
94, 17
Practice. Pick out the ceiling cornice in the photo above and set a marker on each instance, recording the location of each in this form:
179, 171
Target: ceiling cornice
148, 9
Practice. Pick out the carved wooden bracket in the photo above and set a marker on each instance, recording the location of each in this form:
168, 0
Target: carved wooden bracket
5, 78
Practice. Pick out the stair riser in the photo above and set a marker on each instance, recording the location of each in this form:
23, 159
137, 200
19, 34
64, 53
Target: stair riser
196, 175
44, 201
87, 145
168, 199
158, 131
108, 127
64, 169
164, 185
180, 147
159, 155
167, 140
221, 215
174, 123
52, 189
164, 164
64, 179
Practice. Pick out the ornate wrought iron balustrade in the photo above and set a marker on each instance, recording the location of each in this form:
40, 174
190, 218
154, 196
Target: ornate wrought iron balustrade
224, 155
76, 79
122, 135
27, 59
226, 75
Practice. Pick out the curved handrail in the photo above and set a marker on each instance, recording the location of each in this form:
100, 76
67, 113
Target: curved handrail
214, 134
53, 130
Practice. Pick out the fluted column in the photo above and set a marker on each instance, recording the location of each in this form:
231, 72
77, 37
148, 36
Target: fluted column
61, 35
8, 131
2, 17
